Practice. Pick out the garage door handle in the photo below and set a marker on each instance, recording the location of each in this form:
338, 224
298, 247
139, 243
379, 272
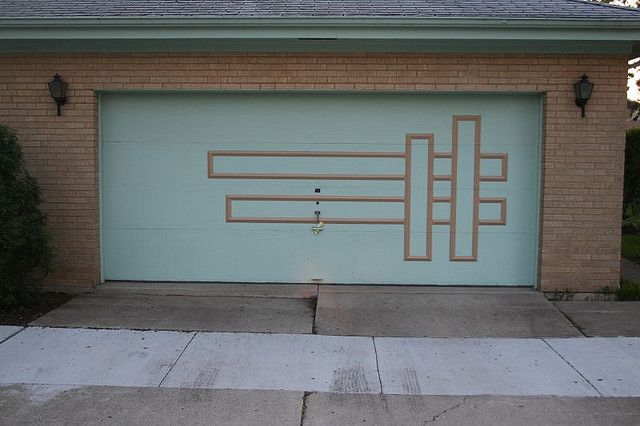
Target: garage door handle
317, 228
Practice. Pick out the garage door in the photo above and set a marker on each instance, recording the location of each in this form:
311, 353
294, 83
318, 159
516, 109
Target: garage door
320, 187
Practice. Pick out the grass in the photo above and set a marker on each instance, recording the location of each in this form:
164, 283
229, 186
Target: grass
629, 290
631, 246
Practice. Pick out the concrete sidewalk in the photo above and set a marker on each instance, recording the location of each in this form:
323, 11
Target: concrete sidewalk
100, 405
577, 367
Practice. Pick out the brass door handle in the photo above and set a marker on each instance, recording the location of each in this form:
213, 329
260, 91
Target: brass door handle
317, 228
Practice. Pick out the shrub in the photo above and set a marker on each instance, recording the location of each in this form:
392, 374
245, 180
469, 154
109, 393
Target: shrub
25, 251
631, 246
631, 208
629, 290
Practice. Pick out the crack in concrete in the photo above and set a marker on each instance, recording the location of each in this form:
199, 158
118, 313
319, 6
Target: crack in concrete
303, 411
313, 304
445, 411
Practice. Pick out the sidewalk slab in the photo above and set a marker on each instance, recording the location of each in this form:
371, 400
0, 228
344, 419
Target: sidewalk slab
6, 331
606, 319
612, 365
182, 313
439, 313
88, 405
272, 361
413, 366
90, 357
346, 410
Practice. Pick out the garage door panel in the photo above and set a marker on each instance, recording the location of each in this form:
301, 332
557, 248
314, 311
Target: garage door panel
153, 164
305, 119
160, 207
194, 255
370, 262
214, 187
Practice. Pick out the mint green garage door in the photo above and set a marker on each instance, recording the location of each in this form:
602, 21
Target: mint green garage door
320, 187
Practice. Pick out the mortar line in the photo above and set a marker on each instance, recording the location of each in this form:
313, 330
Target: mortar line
177, 359
572, 367
375, 351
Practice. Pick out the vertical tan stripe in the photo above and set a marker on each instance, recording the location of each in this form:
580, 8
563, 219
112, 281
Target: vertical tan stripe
454, 187
407, 196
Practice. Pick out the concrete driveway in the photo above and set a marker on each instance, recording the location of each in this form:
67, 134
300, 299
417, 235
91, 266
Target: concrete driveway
131, 353
331, 310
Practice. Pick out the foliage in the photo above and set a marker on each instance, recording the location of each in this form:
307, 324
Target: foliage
627, 3
629, 290
633, 106
631, 246
631, 203
25, 251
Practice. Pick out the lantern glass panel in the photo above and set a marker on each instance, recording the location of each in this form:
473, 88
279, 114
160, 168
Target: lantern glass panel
586, 87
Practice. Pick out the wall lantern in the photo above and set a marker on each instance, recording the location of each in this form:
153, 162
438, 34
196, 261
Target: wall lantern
583, 89
58, 90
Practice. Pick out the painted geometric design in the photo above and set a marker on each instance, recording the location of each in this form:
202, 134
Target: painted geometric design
452, 178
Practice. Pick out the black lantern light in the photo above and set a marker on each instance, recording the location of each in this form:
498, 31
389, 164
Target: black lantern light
58, 90
583, 89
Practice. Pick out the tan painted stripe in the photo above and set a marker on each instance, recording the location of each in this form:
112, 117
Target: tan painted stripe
476, 188
299, 198
326, 220
407, 215
310, 176
315, 154
503, 210
504, 166
341, 198
212, 174
454, 188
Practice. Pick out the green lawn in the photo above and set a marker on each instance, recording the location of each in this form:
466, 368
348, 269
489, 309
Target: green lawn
631, 246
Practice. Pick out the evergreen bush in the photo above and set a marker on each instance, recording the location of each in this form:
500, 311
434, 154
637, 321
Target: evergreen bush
25, 250
631, 207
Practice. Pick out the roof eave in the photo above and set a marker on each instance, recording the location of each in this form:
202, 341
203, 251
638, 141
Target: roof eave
353, 33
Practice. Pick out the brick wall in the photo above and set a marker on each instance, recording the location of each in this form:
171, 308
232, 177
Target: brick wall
582, 164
